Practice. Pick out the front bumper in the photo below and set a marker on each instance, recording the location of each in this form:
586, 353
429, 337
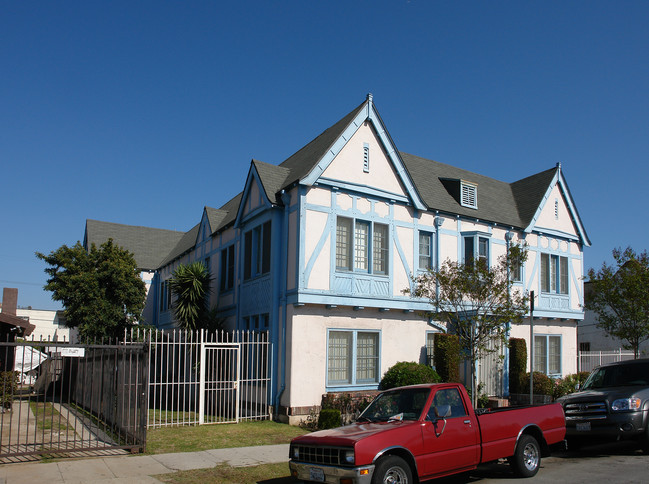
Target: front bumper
331, 474
625, 425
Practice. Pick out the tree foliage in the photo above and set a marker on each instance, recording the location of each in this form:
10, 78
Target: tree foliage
619, 295
405, 373
476, 301
100, 289
190, 285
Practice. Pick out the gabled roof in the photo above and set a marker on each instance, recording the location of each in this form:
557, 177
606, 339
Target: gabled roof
149, 246
185, 244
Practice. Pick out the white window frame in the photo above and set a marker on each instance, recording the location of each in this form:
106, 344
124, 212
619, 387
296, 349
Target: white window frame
554, 279
476, 240
468, 195
543, 359
352, 359
429, 255
362, 246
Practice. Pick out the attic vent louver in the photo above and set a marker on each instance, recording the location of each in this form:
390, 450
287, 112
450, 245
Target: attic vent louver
469, 197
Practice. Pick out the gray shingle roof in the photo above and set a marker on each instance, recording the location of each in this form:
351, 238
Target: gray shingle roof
498, 201
509, 204
148, 245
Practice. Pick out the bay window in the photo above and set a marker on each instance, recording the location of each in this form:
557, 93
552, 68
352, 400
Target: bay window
361, 246
554, 274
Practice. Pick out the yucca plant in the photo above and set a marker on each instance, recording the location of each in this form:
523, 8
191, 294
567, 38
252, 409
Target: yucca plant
190, 285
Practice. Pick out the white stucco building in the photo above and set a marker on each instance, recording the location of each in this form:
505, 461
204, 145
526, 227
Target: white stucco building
318, 250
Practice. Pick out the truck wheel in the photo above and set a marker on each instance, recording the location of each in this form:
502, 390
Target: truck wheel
644, 441
527, 457
392, 470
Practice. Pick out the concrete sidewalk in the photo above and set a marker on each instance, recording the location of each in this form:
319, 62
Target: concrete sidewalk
138, 468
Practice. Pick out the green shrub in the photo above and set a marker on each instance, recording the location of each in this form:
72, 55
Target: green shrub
329, 418
447, 357
568, 384
517, 366
408, 373
8, 387
542, 384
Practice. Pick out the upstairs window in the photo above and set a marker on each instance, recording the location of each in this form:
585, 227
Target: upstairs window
361, 246
425, 251
554, 274
257, 251
165, 295
468, 195
226, 276
476, 248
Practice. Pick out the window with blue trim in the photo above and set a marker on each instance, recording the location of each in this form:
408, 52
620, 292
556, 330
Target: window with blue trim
554, 274
257, 251
476, 248
226, 275
425, 251
165, 295
362, 246
353, 357
547, 354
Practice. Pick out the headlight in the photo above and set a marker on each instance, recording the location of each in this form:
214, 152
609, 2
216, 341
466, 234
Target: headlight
622, 404
348, 456
295, 453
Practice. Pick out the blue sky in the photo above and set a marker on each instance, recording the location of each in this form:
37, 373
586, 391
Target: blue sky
144, 112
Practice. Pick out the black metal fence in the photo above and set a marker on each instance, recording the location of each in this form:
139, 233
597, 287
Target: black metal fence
64, 399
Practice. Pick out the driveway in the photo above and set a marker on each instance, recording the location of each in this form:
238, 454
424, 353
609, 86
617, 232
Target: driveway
606, 464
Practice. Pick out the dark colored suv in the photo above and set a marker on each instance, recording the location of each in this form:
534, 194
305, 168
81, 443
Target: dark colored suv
613, 404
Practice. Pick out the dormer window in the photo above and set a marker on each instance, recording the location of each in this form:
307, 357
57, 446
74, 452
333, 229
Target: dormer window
469, 195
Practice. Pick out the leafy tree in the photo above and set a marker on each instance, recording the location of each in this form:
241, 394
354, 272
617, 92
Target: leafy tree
190, 285
476, 301
619, 295
101, 289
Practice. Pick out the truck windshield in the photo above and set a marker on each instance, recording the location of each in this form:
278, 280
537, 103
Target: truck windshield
632, 374
404, 404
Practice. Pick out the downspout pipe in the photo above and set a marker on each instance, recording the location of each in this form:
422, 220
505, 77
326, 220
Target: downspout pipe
286, 200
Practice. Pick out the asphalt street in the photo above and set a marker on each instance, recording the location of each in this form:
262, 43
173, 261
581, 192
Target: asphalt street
617, 463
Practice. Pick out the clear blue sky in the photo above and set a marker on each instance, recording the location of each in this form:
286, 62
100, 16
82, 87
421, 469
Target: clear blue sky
144, 112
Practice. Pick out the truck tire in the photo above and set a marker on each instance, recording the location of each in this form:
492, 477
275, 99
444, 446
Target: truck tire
527, 457
644, 440
392, 469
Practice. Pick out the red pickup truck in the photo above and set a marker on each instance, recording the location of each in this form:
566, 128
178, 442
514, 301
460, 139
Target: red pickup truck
425, 432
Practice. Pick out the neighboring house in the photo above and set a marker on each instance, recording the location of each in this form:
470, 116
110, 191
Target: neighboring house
11, 327
319, 249
592, 338
49, 325
36, 324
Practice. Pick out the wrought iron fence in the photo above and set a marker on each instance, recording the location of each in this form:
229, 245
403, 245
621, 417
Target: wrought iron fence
64, 399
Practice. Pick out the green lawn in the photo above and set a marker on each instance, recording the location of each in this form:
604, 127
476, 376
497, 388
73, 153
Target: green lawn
263, 474
205, 437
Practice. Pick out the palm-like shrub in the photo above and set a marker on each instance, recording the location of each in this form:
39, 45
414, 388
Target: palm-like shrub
190, 284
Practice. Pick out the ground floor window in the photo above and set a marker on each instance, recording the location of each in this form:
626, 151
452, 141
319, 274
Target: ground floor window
547, 354
353, 357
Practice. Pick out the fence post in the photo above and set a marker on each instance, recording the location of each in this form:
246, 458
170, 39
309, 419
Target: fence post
201, 386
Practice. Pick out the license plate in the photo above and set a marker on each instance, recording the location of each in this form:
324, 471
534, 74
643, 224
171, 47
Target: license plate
583, 426
316, 474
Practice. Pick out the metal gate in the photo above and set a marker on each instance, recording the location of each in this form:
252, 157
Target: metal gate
219, 383
64, 398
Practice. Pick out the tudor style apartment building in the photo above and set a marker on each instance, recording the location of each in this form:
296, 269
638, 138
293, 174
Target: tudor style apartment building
318, 250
